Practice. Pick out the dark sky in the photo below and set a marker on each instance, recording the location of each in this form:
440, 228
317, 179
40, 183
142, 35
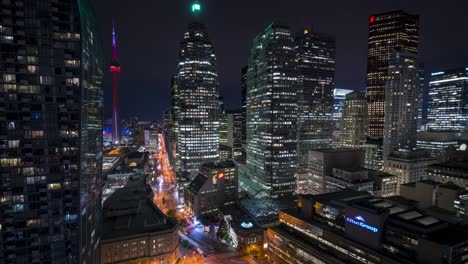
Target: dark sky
149, 32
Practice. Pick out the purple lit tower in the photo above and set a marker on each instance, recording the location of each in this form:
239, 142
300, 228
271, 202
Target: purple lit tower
114, 68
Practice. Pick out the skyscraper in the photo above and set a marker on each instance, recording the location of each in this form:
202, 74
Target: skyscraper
114, 68
401, 103
315, 58
271, 114
339, 96
354, 121
448, 100
388, 32
51, 135
244, 107
196, 99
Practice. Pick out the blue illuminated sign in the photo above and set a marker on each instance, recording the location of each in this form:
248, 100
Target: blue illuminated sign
437, 73
360, 221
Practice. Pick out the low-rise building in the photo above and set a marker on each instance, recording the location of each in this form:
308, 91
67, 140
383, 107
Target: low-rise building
355, 227
433, 194
321, 162
385, 184
455, 172
408, 165
436, 143
134, 230
214, 187
355, 178
247, 234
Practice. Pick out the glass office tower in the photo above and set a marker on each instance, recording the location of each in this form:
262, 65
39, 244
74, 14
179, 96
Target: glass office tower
196, 100
388, 32
448, 100
50, 132
315, 64
272, 93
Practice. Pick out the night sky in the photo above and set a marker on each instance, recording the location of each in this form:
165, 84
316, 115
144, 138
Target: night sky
149, 32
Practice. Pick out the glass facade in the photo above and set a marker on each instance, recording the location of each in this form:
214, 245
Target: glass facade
388, 32
50, 132
354, 121
196, 103
271, 114
315, 58
448, 101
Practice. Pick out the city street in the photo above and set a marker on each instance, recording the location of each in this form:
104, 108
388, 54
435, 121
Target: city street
202, 246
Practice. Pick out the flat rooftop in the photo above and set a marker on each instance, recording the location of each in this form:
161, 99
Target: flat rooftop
130, 212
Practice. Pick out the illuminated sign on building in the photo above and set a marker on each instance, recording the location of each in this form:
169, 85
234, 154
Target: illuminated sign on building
247, 225
221, 175
360, 221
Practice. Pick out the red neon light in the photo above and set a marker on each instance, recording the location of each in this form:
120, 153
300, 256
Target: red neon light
114, 69
372, 19
221, 175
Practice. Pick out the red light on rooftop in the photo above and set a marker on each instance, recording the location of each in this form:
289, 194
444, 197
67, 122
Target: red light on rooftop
372, 19
114, 69
306, 31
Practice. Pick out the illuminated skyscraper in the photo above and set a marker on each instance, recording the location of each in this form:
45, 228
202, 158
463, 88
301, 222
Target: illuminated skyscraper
388, 32
339, 96
401, 103
448, 100
51, 71
315, 66
196, 100
114, 68
271, 114
354, 121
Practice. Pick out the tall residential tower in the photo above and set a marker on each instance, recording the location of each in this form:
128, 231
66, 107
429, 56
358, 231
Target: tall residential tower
51, 71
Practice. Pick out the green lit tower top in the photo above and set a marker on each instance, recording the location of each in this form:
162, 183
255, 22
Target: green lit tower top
196, 7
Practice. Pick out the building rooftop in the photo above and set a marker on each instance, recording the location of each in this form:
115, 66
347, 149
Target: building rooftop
337, 150
451, 236
197, 183
136, 155
410, 156
130, 211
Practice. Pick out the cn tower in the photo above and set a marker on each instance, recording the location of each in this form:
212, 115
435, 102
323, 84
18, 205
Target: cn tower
114, 68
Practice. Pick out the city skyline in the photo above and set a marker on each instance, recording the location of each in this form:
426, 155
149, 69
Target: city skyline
150, 59
220, 153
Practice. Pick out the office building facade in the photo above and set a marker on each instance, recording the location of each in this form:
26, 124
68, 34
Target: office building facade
213, 188
51, 71
135, 230
355, 227
354, 122
388, 32
339, 96
408, 165
401, 103
315, 58
321, 163
271, 114
448, 101
196, 92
